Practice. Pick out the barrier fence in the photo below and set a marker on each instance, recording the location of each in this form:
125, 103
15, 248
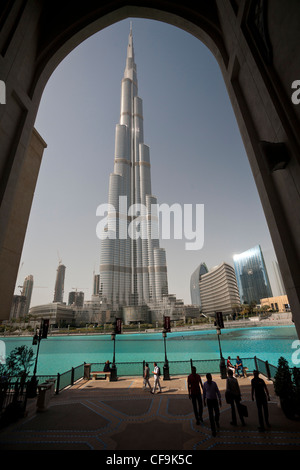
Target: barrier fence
135, 369
13, 395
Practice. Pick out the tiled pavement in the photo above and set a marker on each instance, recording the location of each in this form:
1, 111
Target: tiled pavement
112, 416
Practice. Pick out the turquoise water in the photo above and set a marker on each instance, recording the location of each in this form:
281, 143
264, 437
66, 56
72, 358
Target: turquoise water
60, 353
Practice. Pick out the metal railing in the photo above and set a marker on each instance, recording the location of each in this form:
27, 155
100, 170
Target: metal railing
135, 369
13, 399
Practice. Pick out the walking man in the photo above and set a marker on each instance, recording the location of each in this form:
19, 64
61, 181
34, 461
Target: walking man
156, 373
234, 397
146, 376
212, 396
194, 389
261, 393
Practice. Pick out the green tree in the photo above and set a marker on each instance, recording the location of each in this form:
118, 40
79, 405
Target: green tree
19, 361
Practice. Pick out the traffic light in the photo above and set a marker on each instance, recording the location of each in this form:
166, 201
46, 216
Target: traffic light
219, 320
45, 326
167, 324
118, 326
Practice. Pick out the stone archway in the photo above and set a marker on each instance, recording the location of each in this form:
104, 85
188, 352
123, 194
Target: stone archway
256, 44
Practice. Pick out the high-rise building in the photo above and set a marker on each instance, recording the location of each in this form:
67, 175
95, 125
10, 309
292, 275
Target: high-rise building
133, 269
76, 298
59, 283
18, 307
27, 292
194, 283
251, 274
218, 290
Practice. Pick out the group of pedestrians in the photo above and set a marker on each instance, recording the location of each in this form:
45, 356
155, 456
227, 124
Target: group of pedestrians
212, 399
156, 373
238, 369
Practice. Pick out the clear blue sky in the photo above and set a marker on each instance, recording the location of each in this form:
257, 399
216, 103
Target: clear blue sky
197, 156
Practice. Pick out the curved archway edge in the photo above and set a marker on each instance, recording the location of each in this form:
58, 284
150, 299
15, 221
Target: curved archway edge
259, 65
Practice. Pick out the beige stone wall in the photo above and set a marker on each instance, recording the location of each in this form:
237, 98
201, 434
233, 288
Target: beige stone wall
280, 300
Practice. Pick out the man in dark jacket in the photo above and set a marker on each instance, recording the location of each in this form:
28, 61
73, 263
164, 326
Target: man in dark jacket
194, 389
261, 393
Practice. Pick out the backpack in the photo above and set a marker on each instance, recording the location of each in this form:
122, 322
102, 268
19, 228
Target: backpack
158, 371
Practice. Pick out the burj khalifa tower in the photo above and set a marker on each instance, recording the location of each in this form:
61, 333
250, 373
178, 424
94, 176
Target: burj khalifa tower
133, 268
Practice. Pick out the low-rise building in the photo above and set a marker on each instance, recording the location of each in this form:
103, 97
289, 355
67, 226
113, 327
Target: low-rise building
279, 303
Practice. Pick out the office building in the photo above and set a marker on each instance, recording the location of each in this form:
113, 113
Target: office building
194, 283
251, 274
219, 291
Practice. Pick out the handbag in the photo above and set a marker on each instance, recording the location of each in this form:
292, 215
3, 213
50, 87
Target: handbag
244, 410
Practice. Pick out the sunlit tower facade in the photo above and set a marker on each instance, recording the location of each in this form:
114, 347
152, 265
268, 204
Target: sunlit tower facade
252, 276
133, 270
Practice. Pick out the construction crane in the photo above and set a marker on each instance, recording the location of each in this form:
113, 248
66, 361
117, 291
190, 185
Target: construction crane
59, 258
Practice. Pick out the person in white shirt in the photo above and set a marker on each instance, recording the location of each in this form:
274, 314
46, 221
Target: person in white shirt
212, 396
156, 379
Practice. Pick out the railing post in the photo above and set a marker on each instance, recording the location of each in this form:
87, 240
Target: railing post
255, 361
191, 361
72, 376
57, 383
143, 368
268, 370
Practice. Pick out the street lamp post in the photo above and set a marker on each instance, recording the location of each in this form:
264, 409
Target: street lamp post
222, 360
43, 330
113, 375
166, 365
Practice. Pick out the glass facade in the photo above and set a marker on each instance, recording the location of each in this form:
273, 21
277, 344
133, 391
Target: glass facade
194, 284
251, 274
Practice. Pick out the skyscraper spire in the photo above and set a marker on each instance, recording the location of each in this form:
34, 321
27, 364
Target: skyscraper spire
132, 270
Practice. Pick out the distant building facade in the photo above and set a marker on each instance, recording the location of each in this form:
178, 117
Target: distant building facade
76, 298
194, 283
59, 284
58, 314
27, 292
279, 303
251, 275
18, 307
219, 291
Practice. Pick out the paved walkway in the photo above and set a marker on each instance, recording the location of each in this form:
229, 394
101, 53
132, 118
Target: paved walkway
112, 416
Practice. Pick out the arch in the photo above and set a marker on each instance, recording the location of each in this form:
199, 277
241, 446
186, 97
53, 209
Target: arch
248, 44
